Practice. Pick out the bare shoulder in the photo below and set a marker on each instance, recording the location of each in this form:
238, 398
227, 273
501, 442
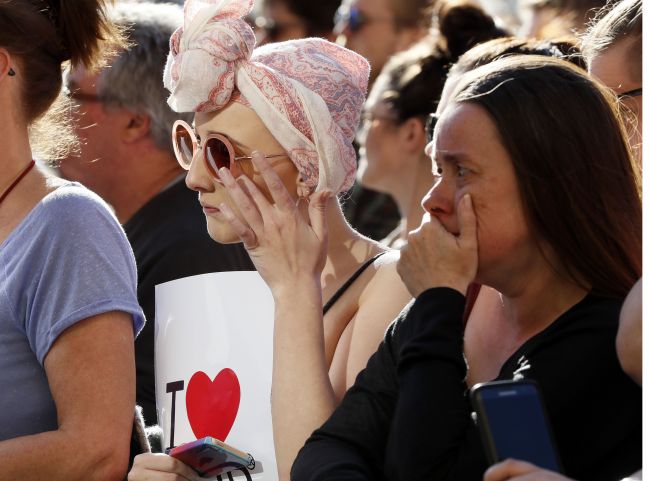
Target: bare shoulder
385, 294
381, 301
386, 277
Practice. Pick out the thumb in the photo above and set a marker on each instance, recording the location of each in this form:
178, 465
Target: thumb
317, 212
467, 222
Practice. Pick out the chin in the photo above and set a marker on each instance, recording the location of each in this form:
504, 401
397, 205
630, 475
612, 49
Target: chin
221, 233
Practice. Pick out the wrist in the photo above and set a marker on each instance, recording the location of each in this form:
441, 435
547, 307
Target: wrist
305, 289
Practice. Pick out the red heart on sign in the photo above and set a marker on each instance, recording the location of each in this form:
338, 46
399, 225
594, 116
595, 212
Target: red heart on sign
212, 405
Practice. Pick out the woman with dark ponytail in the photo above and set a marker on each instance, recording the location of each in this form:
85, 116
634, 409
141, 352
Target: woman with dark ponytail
393, 135
68, 308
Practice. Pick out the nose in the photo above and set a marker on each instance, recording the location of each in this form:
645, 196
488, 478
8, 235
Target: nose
197, 177
439, 201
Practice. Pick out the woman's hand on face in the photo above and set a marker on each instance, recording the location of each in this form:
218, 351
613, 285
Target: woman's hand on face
433, 257
513, 470
284, 246
160, 467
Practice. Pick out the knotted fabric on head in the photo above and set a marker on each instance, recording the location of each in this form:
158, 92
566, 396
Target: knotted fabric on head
309, 93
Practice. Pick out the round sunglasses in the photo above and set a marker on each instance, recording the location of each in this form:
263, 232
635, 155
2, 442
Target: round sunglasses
217, 151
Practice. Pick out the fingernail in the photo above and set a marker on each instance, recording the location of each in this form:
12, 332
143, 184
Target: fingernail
224, 174
467, 199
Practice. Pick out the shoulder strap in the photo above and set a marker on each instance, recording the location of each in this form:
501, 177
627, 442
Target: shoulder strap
349, 282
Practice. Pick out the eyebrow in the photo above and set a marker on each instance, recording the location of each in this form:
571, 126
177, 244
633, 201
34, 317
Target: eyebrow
452, 157
236, 144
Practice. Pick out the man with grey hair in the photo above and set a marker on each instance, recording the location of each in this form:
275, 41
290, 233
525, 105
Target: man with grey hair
126, 156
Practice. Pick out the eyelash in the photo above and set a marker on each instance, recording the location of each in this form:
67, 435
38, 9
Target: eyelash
459, 169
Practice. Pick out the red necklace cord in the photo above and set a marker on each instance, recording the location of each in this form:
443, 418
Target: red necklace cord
24, 172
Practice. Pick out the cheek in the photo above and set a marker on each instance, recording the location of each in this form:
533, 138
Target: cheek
221, 232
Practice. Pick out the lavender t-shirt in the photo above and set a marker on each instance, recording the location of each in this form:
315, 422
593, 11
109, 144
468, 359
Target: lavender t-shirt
66, 261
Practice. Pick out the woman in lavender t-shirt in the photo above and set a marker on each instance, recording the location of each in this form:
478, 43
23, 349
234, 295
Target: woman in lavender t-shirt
68, 306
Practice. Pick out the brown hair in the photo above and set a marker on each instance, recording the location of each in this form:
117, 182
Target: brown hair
565, 48
577, 180
414, 78
41, 35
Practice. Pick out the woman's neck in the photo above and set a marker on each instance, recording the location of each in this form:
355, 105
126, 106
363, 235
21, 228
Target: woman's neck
16, 153
409, 193
346, 248
537, 298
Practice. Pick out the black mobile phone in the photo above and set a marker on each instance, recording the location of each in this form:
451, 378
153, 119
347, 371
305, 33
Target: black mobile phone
210, 457
513, 423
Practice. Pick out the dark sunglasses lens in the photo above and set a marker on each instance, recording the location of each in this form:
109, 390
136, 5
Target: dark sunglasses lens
217, 155
185, 146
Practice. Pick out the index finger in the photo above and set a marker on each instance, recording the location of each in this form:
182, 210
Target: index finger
467, 221
279, 192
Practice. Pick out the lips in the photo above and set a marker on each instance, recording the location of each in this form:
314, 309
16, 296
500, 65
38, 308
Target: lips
210, 209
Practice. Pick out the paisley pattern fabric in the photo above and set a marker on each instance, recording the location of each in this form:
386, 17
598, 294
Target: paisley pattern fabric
309, 93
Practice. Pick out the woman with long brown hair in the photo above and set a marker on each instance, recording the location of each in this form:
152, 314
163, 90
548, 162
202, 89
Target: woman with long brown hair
68, 306
537, 200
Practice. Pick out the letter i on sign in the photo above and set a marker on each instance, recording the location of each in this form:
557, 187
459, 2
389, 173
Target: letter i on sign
174, 387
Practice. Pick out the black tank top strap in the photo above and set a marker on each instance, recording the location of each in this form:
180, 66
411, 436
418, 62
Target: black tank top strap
341, 290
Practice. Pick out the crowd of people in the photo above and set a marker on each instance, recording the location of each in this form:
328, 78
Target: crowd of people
436, 196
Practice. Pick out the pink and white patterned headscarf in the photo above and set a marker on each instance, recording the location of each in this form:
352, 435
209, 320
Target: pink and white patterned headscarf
309, 93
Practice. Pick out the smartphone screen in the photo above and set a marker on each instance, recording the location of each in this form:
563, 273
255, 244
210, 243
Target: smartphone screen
210, 457
513, 423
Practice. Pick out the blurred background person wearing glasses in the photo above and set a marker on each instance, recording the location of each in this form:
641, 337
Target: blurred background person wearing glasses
127, 157
376, 29
282, 20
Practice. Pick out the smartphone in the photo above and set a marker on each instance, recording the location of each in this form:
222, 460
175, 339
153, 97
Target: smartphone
513, 423
210, 457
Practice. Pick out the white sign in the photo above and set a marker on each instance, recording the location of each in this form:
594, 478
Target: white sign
214, 356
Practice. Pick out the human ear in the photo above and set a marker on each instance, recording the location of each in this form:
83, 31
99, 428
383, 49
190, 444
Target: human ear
6, 67
136, 126
413, 136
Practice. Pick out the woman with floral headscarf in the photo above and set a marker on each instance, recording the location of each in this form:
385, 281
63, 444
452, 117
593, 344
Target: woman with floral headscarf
270, 149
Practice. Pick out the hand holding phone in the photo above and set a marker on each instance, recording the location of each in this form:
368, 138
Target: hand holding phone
210, 457
513, 423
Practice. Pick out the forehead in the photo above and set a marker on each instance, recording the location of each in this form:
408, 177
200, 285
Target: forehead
240, 123
467, 129
234, 118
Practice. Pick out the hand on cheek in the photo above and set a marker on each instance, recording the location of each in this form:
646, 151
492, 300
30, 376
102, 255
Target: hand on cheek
285, 246
433, 257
